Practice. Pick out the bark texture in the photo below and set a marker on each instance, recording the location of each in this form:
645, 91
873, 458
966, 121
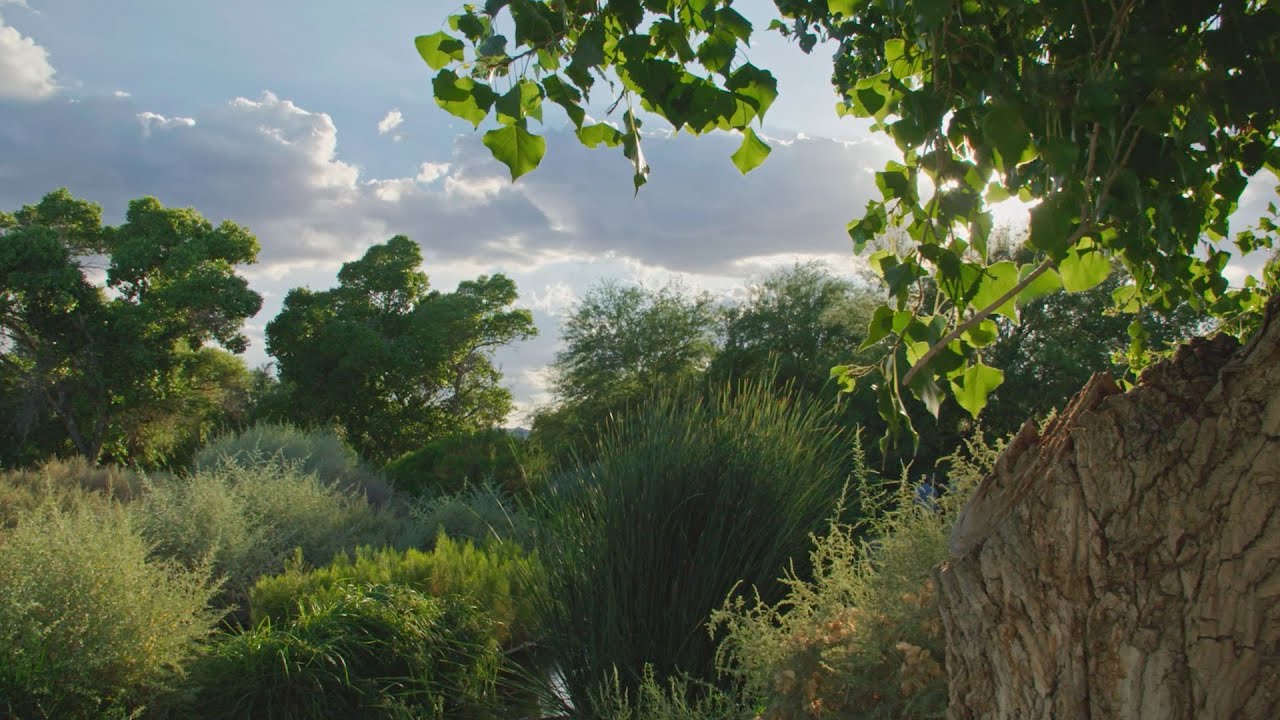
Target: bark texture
1125, 563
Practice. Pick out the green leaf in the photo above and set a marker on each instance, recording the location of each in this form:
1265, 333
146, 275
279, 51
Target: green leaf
1125, 297
1004, 128
1084, 267
515, 147
752, 152
439, 49
593, 135
880, 327
567, 97
525, 98
1048, 282
842, 7
463, 97
1051, 224
973, 386
997, 280
982, 334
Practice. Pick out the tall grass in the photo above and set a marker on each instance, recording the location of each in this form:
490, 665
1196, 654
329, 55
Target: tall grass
689, 498
65, 483
90, 624
360, 651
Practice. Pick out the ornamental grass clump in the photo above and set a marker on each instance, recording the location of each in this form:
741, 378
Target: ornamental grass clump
90, 623
689, 498
861, 638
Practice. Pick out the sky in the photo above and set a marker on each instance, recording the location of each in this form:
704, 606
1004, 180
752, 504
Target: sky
311, 122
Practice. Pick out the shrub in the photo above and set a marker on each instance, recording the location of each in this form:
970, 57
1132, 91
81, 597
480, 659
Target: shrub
862, 638
90, 625
479, 513
688, 498
319, 452
63, 483
246, 521
447, 465
494, 577
357, 650
678, 700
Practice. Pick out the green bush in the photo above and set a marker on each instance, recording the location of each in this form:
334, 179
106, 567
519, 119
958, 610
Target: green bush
479, 513
447, 465
246, 521
862, 638
319, 452
355, 651
494, 576
89, 624
688, 499
63, 483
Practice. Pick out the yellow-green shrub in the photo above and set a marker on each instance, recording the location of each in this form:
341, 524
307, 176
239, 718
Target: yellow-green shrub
493, 576
63, 482
862, 639
89, 623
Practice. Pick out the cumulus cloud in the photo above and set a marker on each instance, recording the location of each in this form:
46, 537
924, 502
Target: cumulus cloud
25, 72
392, 120
155, 121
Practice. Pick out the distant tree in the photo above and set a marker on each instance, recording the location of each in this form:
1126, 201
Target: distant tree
795, 325
620, 342
89, 354
392, 362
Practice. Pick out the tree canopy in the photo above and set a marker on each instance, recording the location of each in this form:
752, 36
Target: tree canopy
1132, 126
392, 362
90, 353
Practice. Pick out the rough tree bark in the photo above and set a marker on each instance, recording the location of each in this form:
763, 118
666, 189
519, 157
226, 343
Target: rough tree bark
1125, 563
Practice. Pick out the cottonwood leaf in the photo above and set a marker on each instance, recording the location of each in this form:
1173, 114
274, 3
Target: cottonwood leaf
516, 147
973, 386
752, 152
439, 49
1084, 267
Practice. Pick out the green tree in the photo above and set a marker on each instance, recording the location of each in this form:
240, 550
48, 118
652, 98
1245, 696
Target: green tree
92, 356
1134, 125
392, 362
795, 325
621, 343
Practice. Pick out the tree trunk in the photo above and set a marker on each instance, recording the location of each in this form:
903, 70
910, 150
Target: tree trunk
1125, 563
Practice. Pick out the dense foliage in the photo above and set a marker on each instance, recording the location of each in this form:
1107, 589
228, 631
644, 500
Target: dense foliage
1135, 125
100, 360
392, 363
688, 499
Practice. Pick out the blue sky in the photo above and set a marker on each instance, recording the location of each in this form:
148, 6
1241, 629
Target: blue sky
312, 123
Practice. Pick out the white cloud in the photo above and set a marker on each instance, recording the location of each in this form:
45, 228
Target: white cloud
121, 94
392, 120
25, 72
430, 172
155, 121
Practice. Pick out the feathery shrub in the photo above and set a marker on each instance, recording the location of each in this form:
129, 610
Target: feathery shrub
90, 624
862, 638
247, 520
481, 513
65, 483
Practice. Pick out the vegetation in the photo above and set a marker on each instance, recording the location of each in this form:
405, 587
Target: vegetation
448, 464
368, 651
392, 363
689, 498
99, 360
1135, 126
496, 577
90, 623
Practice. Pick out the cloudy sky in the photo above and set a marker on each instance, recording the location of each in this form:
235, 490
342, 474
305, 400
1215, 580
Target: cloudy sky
312, 123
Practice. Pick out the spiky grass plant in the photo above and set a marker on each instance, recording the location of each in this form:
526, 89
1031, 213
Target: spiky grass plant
690, 498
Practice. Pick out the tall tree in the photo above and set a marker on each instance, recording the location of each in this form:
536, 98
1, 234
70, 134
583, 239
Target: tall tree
795, 325
91, 354
621, 342
392, 362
